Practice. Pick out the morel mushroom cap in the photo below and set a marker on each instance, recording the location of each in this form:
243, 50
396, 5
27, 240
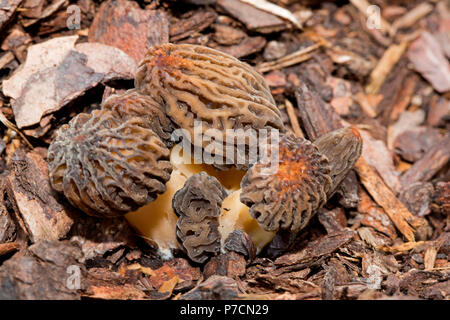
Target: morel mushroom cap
198, 206
307, 176
131, 104
106, 166
198, 83
287, 198
342, 148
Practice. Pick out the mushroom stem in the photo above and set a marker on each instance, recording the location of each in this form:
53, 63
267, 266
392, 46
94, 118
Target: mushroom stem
236, 216
156, 221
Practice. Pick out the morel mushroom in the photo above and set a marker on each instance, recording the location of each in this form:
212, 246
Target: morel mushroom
197, 205
342, 148
106, 166
306, 177
156, 221
131, 104
198, 83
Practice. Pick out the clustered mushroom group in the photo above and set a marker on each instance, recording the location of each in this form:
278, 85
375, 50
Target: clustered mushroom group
120, 160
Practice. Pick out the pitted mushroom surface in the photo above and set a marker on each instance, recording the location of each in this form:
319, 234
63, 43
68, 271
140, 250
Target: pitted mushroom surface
131, 104
306, 176
198, 205
106, 166
197, 83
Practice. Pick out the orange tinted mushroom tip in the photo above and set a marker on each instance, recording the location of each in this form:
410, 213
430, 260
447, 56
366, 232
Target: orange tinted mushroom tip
164, 59
307, 176
288, 198
297, 163
355, 132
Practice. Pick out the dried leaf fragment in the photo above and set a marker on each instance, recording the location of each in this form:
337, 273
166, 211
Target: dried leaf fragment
429, 60
42, 215
57, 71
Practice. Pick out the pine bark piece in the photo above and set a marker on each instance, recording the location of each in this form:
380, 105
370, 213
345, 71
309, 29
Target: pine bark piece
248, 46
412, 16
430, 61
253, 18
315, 249
441, 198
161, 276
417, 197
42, 272
7, 10
405, 222
43, 215
420, 283
387, 62
406, 95
412, 144
332, 220
392, 91
227, 35
375, 217
8, 247
438, 111
348, 191
56, 72
96, 238
372, 237
230, 265
124, 25
380, 158
5, 59
7, 225
196, 22
318, 117
214, 288
433, 161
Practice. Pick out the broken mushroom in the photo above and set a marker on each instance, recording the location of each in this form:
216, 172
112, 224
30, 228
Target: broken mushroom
197, 83
108, 167
197, 205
